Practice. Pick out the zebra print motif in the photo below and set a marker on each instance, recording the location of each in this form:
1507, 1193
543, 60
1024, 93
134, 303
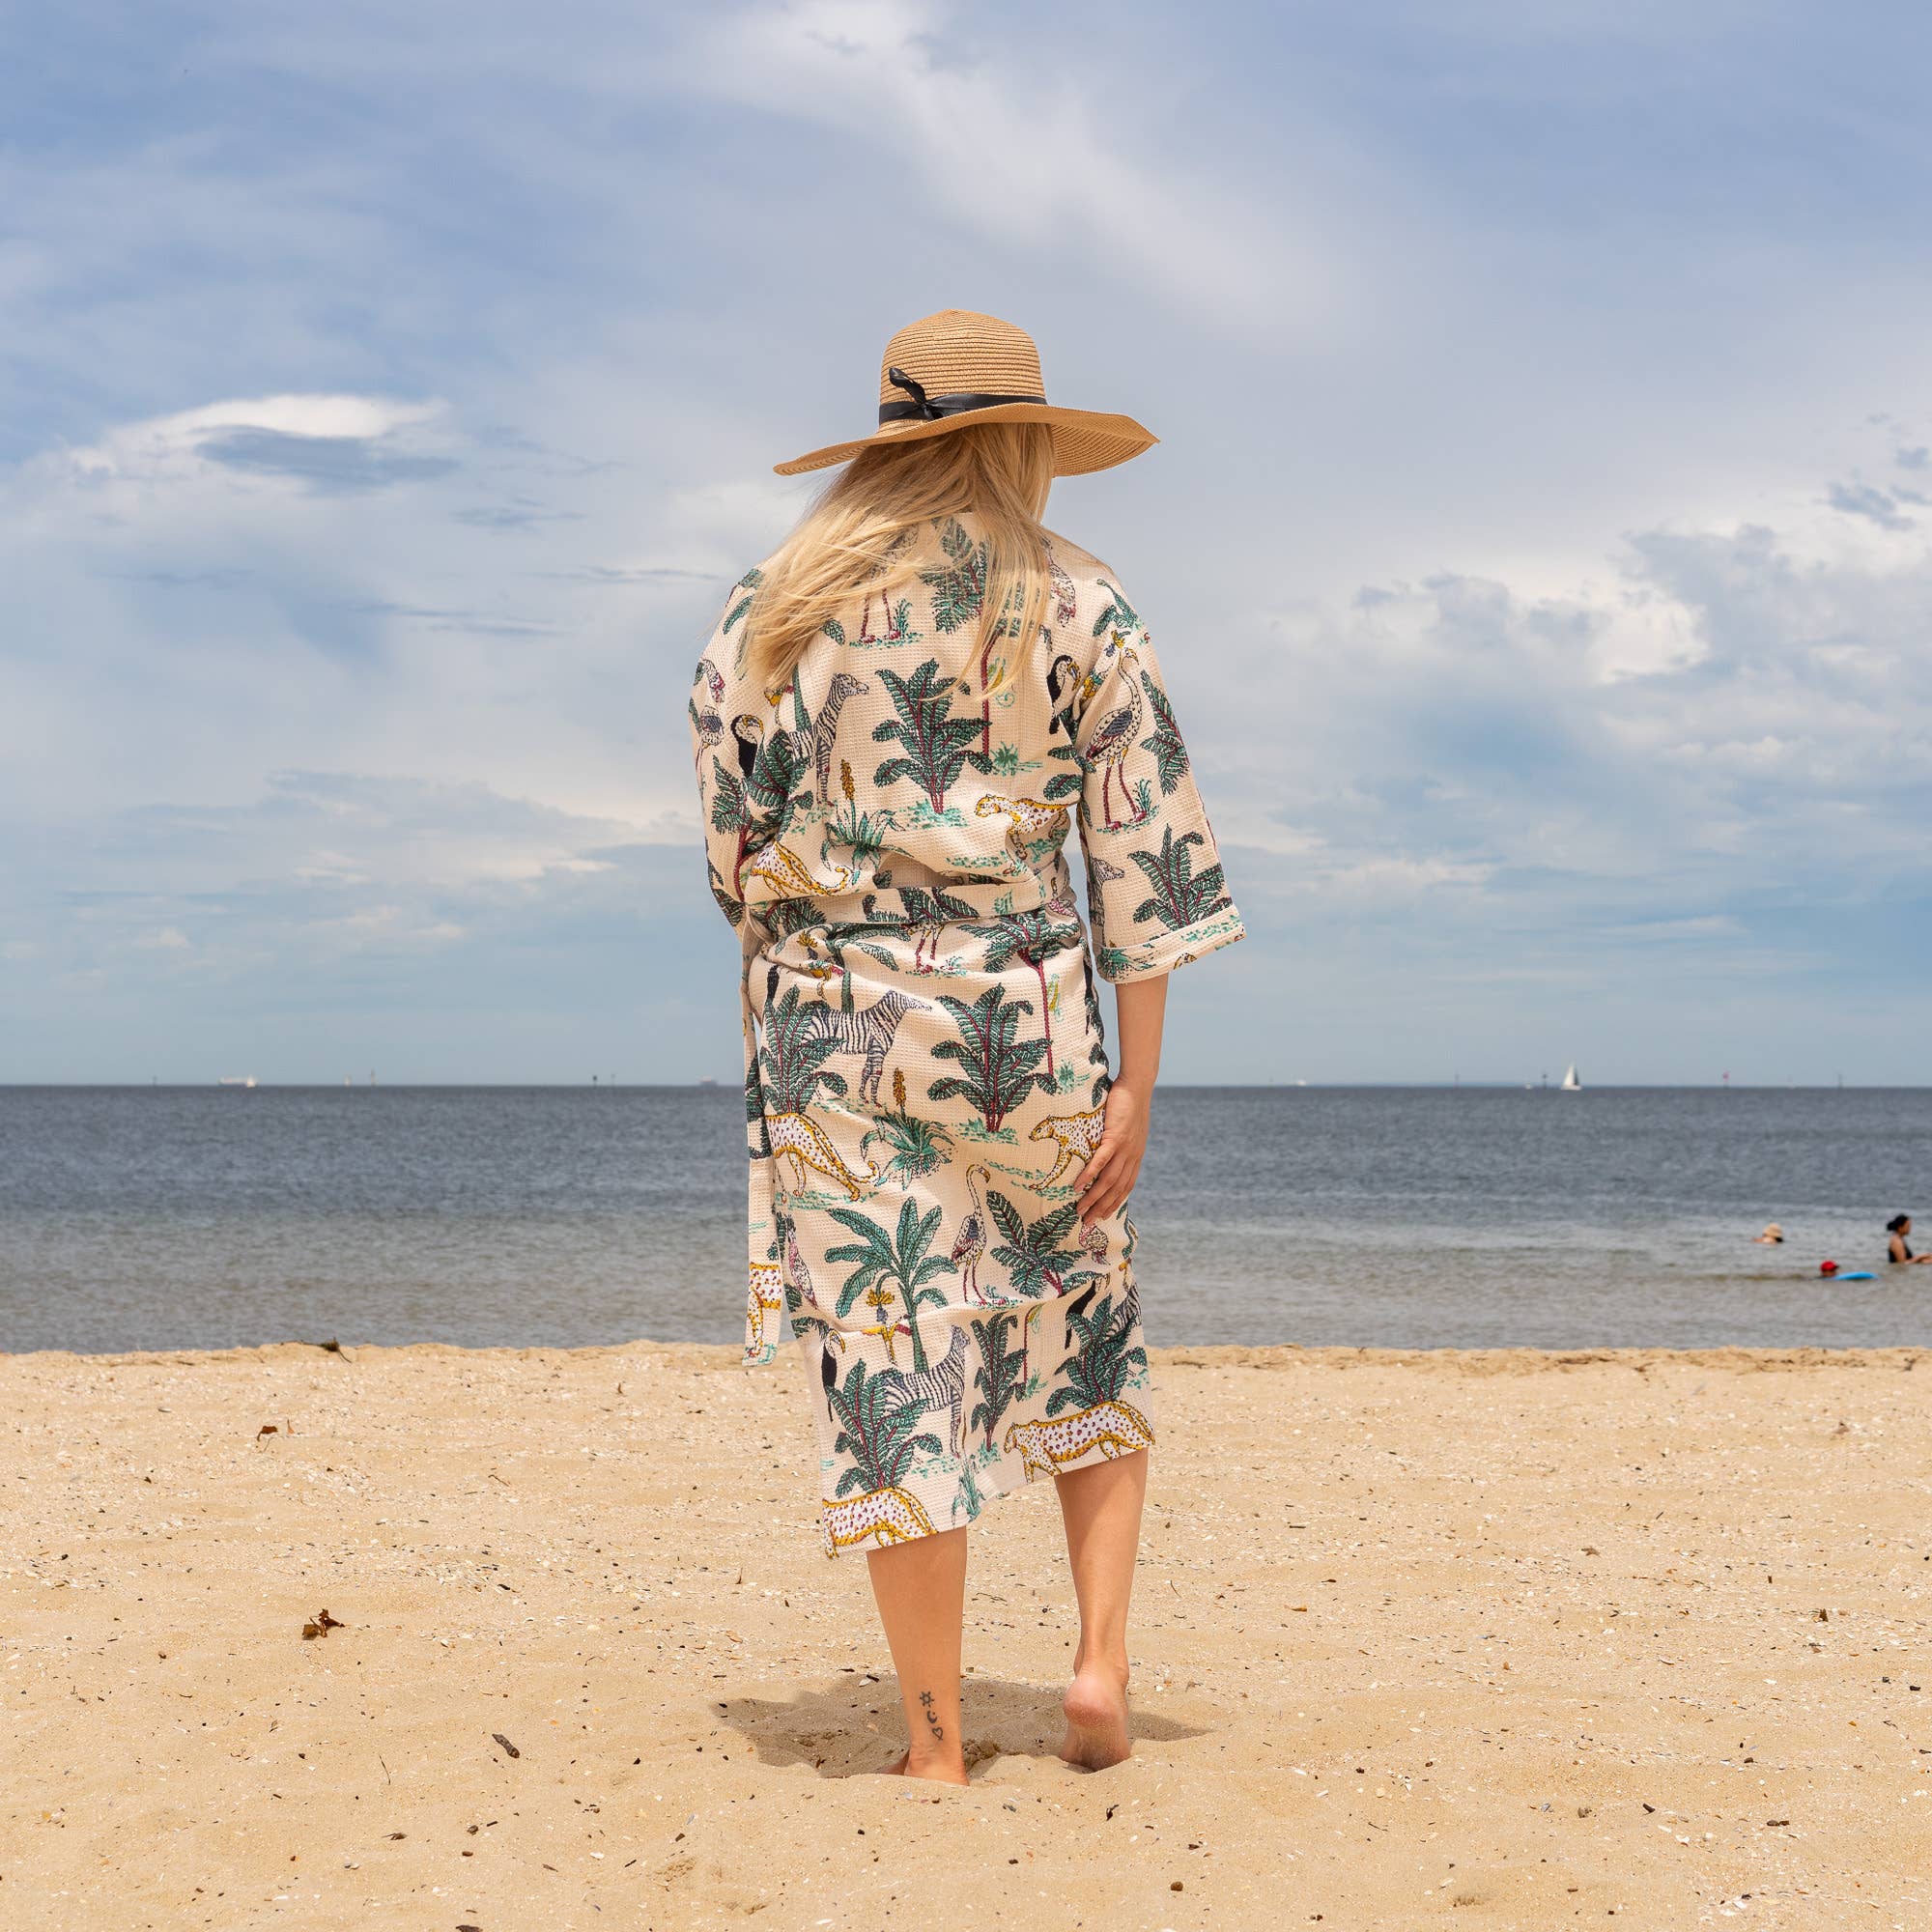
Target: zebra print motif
867, 1032
825, 729
941, 1387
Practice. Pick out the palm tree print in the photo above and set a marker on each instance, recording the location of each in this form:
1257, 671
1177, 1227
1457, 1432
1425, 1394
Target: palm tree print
1062, 784
959, 588
1165, 742
1181, 896
935, 747
1118, 614
1034, 1253
925, 914
877, 1429
959, 598
796, 1049
1034, 936
1103, 1366
883, 1262
998, 1375
758, 796
731, 811
731, 907
750, 582
1000, 1069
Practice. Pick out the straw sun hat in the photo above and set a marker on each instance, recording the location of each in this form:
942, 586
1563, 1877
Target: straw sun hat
956, 368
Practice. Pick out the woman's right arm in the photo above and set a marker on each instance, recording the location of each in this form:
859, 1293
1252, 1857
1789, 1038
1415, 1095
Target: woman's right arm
1110, 1176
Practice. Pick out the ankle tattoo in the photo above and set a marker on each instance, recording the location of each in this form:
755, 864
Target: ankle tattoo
932, 1724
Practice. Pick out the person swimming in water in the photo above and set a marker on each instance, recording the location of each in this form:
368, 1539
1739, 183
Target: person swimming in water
1898, 1248
1772, 1237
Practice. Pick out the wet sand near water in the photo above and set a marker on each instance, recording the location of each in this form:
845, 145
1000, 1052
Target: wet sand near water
1502, 1639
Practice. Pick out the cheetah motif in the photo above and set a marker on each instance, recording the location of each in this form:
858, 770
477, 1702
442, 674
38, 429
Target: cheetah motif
1114, 1428
889, 1516
766, 1297
1032, 817
1076, 1135
788, 872
806, 1144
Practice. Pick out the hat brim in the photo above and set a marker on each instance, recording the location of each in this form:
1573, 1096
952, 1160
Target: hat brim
1083, 439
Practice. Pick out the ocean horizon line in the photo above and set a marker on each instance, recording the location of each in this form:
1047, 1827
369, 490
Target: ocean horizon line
721, 1083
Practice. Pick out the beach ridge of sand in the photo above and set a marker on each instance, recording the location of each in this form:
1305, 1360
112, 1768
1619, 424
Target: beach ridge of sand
1506, 1639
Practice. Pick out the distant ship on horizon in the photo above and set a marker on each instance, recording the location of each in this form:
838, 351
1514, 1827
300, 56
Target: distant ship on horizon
1571, 1084
236, 1080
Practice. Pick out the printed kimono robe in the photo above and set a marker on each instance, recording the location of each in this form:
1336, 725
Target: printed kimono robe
925, 1064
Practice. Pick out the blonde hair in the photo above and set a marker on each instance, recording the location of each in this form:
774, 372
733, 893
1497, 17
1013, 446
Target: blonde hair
860, 533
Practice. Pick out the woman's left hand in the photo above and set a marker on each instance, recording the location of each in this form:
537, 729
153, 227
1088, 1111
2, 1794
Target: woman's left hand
1109, 1176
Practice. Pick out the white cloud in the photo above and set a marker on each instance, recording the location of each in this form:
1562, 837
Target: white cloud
1041, 152
165, 442
388, 925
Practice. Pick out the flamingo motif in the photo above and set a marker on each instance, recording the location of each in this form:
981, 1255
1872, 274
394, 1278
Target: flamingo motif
891, 633
1115, 737
970, 1245
707, 726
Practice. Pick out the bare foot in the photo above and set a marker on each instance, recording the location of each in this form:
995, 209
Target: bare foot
934, 1773
1096, 1718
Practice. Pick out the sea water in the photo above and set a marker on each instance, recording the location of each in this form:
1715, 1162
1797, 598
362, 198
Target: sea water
1410, 1218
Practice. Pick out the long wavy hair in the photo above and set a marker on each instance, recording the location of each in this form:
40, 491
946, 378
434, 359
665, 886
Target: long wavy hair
860, 534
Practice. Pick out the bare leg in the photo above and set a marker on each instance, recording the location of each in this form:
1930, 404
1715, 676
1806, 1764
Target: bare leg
921, 1589
1102, 1508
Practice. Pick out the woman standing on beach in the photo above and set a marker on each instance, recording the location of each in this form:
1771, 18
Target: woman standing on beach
897, 719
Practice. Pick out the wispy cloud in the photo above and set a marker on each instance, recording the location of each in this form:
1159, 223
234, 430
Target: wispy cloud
1053, 164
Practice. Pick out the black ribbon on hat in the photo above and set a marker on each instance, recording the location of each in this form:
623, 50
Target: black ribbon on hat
922, 408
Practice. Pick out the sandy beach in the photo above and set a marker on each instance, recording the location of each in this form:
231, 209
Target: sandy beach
1499, 1639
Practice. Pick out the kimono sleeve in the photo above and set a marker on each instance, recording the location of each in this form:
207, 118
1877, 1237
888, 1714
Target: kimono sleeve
726, 804
1155, 891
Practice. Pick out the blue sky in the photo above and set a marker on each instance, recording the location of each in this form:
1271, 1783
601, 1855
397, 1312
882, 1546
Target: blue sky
1539, 544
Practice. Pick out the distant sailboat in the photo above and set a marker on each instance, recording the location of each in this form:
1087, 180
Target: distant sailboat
1571, 1084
